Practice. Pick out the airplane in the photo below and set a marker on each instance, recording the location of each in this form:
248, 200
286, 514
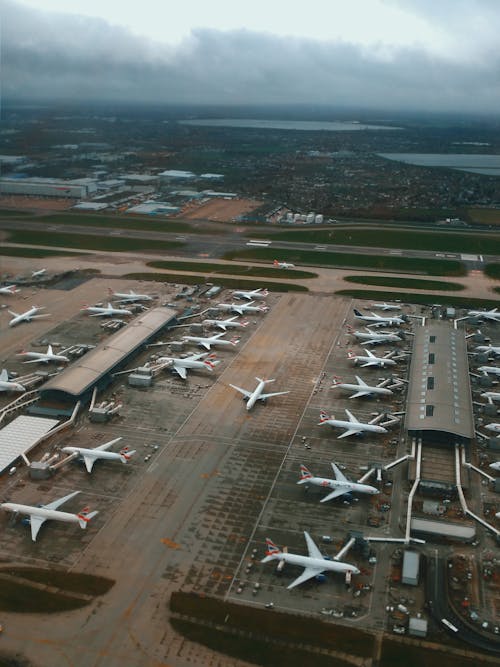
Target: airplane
210, 340
363, 389
241, 308
128, 297
283, 265
40, 272
373, 338
493, 427
91, 455
9, 385
487, 370
180, 366
38, 515
492, 396
496, 466
314, 564
225, 324
385, 306
371, 360
493, 315
250, 294
27, 316
43, 357
107, 311
353, 426
379, 320
256, 395
340, 485
9, 289
489, 349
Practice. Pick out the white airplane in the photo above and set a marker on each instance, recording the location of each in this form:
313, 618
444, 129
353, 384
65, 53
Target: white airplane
489, 349
128, 297
250, 294
256, 395
283, 265
353, 426
386, 306
379, 320
9, 385
208, 341
493, 427
40, 272
374, 338
496, 466
38, 515
491, 396
371, 360
489, 370
106, 311
31, 314
362, 389
91, 455
340, 485
9, 289
225, 324
242, 308
180, 366
313, 565
43, 357
493, 315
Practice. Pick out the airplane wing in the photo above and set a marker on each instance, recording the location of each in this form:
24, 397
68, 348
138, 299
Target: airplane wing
339, 475
49, 350
309, 573
196, 357
351, 431
361, 382
334, 494
274, 393
242, 391
313, 550
11, 312
352, 418
60, 501
205, 343
34, 361
4, 376
89, 461
360, 394
104, 447
36, 522
181, 370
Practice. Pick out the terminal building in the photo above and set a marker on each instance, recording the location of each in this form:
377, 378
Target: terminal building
48, 187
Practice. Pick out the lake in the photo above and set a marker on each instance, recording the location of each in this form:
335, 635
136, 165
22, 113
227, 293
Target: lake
304, 125
473, 162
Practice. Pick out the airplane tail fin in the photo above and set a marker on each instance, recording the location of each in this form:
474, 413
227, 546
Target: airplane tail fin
84, 516
323, 417
305, 475
263, 309
245, 323
264, 381
357, 313
272, 551
336, 379
211, 364
276, 263
126, 454
265, 292
235, 340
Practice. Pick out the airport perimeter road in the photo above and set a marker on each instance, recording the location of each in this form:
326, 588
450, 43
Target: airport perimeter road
186, 523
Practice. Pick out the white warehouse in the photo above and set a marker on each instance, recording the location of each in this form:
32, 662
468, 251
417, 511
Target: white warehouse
47, 187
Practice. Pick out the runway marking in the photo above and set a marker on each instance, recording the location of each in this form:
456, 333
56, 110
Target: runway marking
170, 543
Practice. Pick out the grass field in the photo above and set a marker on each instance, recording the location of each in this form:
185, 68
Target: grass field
411, 265
413, 297
113, 221
36, 252
484, 216
237, 283
235, 269
74, 582
492, 271
409, 283
89, 242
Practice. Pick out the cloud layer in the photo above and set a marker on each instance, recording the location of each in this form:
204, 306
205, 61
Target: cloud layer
56, 56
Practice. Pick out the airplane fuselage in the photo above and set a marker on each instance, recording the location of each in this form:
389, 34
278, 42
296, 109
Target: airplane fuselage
7, 385
493, 427
374, 338
224, 324
44, 358
492, 396
374, 361
353, 487
320, 564
354, 426
25, 317
382, 391
42, 512
489, 370
95, 453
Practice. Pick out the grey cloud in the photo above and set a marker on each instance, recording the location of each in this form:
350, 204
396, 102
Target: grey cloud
48, 56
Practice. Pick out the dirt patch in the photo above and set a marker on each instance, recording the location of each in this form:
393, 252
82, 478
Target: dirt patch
224, 210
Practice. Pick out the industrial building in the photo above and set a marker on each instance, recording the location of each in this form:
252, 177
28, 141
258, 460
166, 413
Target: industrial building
48, 187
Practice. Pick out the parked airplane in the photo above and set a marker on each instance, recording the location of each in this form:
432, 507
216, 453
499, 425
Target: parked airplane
493, 427
283, 265
489, 349
9, 289
492, 396
9, 385
91, 455
340, 485
363, 389
38, 515
40, 272
256, 395
489, 370
314, 564
493, 315
242, 308
379, 320
31, 314
496, 466
371, 360
225, 324
353, 426
386, 306
128, 297
250, 294
106, 311
208, 341
43, 357
374, 338
180, 366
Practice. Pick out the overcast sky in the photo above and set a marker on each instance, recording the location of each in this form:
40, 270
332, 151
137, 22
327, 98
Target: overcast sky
391, 54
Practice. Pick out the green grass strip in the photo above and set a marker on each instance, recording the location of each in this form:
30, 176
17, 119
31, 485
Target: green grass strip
413, 297
36, 252
89, 242
237, 283
75, 582
409, 283
120, 222
234, 269
492, 270
412, 265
